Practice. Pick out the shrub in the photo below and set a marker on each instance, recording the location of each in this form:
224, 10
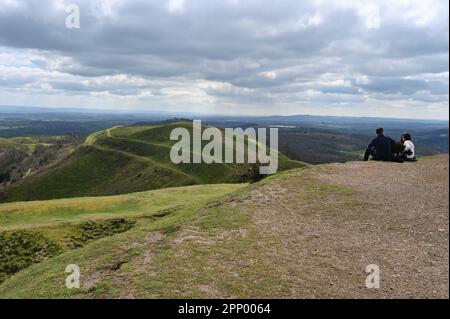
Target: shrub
90, 230
21, 249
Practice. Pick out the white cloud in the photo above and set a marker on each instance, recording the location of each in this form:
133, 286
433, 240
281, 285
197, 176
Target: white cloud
175, 6
370, 13
248, 56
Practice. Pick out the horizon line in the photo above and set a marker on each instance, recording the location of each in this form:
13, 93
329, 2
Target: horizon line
79, 110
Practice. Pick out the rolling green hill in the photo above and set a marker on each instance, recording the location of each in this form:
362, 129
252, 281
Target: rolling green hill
128, 159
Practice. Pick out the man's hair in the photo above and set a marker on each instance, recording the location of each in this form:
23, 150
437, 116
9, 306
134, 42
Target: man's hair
380, 130
407, 137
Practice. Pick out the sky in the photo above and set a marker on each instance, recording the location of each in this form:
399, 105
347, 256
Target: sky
249, 57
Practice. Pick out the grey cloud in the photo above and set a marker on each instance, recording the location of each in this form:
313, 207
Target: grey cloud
275, 48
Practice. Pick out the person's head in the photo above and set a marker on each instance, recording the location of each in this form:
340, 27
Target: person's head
379, 130
406, 137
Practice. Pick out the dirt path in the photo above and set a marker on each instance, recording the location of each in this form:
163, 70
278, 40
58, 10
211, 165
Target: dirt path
334, 220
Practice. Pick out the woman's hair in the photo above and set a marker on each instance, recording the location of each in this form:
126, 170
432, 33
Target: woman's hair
407, 136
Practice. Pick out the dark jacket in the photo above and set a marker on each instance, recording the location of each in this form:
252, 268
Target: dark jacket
380, 148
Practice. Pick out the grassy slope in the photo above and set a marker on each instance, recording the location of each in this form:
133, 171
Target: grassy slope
212, 250
122, 160
248, 244
21, 144
61, 221
21, 157
61, 212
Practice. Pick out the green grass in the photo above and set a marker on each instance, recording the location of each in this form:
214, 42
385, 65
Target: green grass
44, 229
37, 214
18, 144
92, 230
354, 155
206, 243
112, 255
122, 160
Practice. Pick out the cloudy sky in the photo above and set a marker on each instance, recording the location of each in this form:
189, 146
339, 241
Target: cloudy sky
361, 58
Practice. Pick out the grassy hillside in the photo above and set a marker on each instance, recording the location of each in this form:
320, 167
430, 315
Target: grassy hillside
29, 229
22, 156
122, 160
305, 233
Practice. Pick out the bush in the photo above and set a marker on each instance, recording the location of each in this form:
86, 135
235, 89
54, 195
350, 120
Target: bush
90, 230
21, 249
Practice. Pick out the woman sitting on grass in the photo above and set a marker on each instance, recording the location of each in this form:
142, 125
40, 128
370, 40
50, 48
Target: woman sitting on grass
409, 154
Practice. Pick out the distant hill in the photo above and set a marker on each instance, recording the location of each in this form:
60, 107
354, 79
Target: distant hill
126, 159
22, 156
321, 139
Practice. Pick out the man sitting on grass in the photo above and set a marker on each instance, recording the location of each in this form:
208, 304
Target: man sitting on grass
381, 148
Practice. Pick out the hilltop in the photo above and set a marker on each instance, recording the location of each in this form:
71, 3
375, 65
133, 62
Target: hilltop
126, 159
303, 233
